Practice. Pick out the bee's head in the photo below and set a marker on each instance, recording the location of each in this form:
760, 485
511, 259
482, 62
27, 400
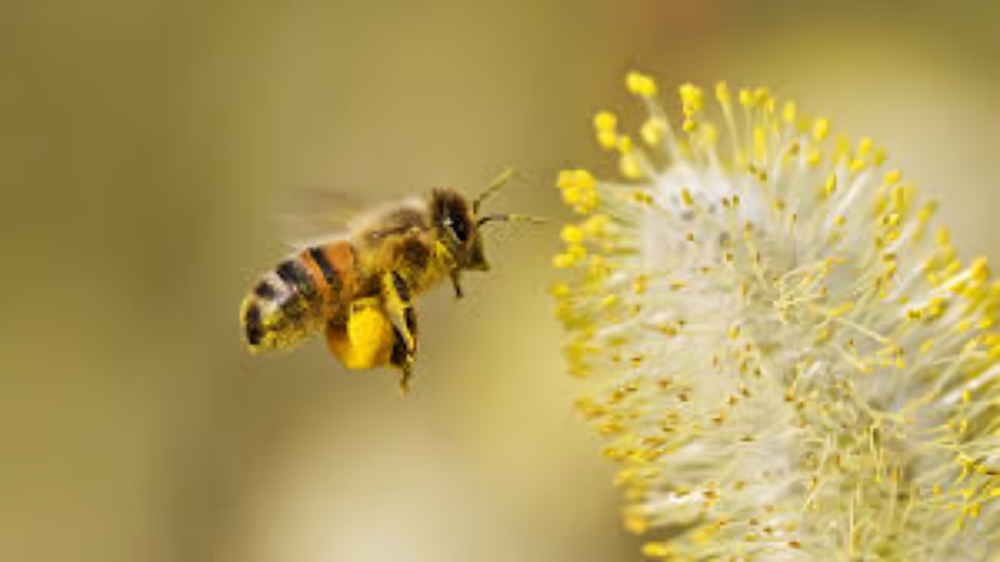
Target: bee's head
458, 222
456, 225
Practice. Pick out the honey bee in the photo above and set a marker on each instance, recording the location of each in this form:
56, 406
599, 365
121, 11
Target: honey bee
359, 287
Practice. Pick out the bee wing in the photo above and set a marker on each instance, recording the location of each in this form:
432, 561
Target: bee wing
326, 215
318, 215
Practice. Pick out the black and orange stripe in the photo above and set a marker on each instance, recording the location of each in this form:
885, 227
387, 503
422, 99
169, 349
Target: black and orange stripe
299, 294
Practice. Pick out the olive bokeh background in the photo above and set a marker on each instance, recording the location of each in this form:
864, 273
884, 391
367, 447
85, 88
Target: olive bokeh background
146, 147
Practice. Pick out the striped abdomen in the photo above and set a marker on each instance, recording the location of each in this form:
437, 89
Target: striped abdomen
299, 296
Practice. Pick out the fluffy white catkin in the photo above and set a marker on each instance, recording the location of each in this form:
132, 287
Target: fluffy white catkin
786, 358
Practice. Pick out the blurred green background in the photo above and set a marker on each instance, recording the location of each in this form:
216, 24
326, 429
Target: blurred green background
147, 145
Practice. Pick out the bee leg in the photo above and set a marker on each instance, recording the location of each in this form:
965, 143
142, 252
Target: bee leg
400, 304
455, 283
402, 360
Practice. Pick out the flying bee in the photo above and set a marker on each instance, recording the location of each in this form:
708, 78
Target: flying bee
359, 287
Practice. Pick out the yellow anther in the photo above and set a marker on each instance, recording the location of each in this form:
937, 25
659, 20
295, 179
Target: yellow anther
746, 97
596, 226
892, 177
629, 167
563, 261
560, 290
890, 220
585, 179
639, 287
605, 121
980, 269
607, 139
687, 197
864, 147
566, 178
761, 95
943, 236
609, 301
689, 126
734, 332
899, 197
652, 131
635, 521
691, 98
640, 84
625, 144
660, 549
842, 309
572, 195
789, 112
723, 94
831, 184
821, 128
858, 165
572, 234
814, 156
880, 156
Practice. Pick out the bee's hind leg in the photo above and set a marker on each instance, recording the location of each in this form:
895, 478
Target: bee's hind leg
402, 359
456, 283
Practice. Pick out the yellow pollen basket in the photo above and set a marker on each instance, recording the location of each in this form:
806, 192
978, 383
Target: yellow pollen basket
368, 340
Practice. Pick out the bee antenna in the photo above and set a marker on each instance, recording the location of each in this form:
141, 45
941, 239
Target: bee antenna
510, 218
494, 186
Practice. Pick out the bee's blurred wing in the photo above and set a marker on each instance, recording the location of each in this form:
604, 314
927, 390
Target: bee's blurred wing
318, 215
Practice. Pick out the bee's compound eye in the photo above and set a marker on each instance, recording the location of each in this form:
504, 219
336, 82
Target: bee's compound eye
458, 226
